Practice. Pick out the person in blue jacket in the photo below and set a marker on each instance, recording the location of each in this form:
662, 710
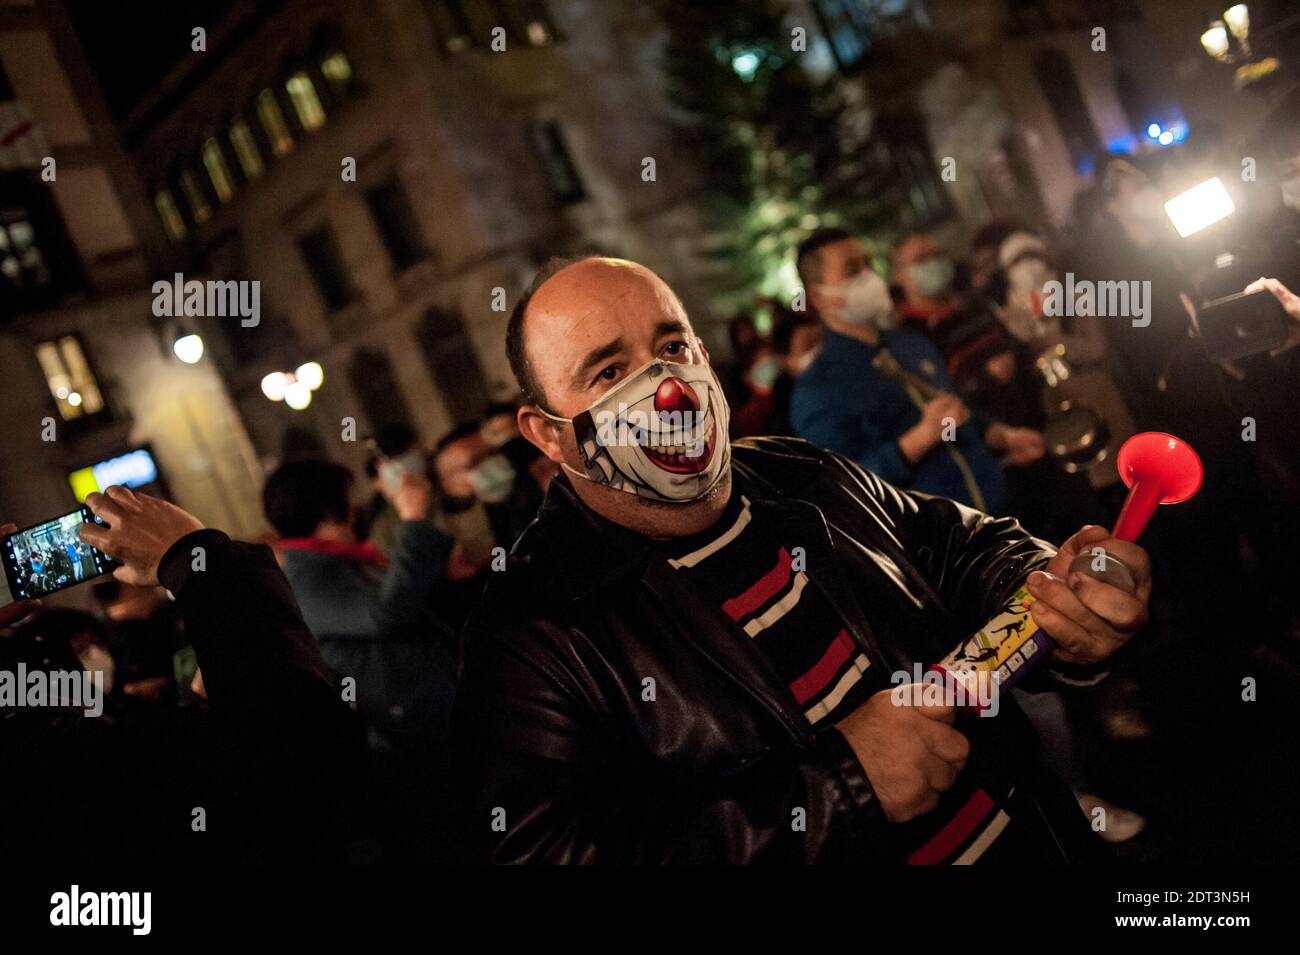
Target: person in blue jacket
913, 432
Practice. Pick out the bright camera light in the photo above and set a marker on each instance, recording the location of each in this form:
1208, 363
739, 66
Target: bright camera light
1154, 130
274, 385
1165, 138
297, 395
188, 348
311, 374
74, 399
1199, 207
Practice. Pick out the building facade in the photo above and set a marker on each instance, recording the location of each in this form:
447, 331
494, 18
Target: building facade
392, 174
88, 375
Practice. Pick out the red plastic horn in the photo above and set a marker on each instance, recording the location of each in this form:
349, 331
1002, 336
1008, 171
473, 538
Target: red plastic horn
1159, 469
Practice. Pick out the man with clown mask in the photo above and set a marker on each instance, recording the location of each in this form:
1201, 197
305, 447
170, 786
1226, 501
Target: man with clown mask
690, 654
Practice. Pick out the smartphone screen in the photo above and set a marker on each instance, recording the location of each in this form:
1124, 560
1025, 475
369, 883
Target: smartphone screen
51, 556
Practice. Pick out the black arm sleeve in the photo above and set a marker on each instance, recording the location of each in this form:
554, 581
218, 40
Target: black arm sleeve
544, 782
293, 749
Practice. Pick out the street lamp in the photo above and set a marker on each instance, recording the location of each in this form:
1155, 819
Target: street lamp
295, 387
1215, 40
1238, 19
310, 374
274, 385
1228, 39
188, 348
297, 395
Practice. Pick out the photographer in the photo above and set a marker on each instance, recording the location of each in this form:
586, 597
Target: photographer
233, 790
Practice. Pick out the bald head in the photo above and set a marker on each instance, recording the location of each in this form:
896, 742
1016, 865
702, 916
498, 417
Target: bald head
585, 328
585, 323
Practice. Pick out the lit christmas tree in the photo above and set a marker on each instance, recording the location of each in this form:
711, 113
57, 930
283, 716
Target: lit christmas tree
778, 155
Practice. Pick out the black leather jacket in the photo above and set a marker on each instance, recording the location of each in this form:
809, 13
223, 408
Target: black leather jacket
563, 759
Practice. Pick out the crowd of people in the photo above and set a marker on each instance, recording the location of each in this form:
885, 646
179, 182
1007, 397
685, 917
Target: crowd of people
532, 642
50, 563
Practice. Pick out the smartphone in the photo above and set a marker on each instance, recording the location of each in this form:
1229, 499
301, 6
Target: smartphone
51, 556
1242, 324
392, 469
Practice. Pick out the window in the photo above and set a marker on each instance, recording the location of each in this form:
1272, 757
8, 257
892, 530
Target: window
272, 120
195, 197
320, 250
372, 378
169, 214
454, 363
561, 174
306, 104
38, 262
1056, 76
70, 380
21, 262
337, 72
397, 224
245, 146
214, 161
847, 29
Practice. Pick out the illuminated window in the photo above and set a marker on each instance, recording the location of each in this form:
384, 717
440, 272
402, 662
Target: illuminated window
198, 202
169, 214
241, 138
272, 119
337, 72
305, 101
215, 163
70, 380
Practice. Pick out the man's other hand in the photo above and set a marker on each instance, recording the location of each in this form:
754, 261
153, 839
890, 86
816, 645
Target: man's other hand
910, 754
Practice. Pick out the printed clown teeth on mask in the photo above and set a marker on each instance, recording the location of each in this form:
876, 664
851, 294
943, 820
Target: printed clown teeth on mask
662, 441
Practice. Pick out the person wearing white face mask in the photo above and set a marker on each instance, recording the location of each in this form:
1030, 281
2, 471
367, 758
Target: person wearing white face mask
921, 437
926, 274
472, 472
650, 632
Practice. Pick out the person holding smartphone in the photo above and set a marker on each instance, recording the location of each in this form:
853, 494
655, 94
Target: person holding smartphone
278, 727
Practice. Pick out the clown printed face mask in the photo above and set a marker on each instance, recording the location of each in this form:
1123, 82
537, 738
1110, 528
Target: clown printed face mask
660, 434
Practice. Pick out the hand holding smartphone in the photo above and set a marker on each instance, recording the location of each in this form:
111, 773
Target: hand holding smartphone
51, 556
